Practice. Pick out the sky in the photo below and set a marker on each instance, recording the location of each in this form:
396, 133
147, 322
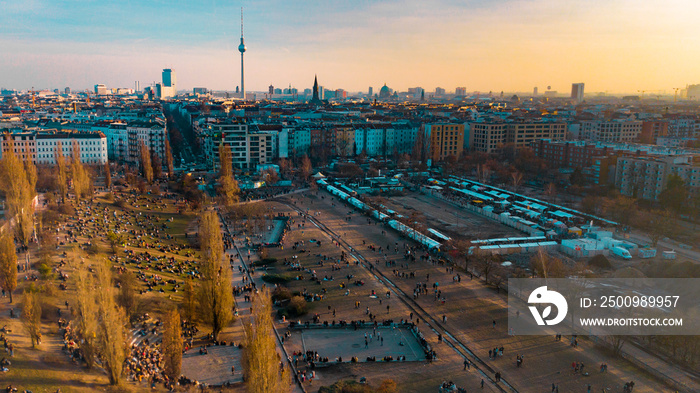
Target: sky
613, 46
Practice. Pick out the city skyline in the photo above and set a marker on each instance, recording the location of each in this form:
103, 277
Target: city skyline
615, 47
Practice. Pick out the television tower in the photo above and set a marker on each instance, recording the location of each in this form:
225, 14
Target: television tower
242, 48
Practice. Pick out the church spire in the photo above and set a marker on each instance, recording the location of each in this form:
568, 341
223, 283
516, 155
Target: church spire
315, 98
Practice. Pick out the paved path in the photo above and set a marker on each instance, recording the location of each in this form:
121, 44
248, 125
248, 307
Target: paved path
242, 306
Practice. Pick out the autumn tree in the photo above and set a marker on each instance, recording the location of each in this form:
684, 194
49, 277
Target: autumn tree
115, 240
18, 183
215, 296
658, 224
82, 183
675, 195
261, 362
8, 263
270, 176
228, 186
85, 310
62, 176
547, 266
112, 325
189, 301
168, 158
285, 166
157, 165
31, 315
126, 297
171, 346
108, 177
145, 161
305, 167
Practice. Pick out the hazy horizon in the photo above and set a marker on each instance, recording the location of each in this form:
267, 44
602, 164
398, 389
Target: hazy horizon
617, 46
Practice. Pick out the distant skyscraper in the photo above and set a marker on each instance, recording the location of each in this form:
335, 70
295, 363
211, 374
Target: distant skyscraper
271, 90
169, 85
534, 91
67, 90
242, 48
100, 89
577, 91
461, 91
371, 91
439, 92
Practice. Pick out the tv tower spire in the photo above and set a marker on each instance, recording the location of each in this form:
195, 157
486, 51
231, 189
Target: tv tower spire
242, 48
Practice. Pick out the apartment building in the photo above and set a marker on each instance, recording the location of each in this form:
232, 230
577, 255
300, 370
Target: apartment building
442, 140
646, 177
41, 146
610, 130
491, 136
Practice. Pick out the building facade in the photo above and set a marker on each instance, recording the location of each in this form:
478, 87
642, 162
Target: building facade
443, 140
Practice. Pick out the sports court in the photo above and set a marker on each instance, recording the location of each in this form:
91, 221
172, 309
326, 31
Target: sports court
347, 342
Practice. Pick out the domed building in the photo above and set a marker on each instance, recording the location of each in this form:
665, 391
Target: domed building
385, 92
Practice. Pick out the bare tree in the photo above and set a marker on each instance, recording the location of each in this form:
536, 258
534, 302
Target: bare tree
18, 183
517, 178
215, 296
86, 311
169, 158
62, 177
82, 184
8, 263
108, 177
189, 301
145, 161
31, 315
260, 358
112, 325
171, 346
126, 298
229, 191
305, 167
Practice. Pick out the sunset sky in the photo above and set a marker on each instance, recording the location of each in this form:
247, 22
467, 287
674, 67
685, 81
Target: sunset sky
614, 46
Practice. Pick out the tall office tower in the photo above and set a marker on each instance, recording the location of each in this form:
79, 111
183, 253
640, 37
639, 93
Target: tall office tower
534, 91
577, 91
242, 48
460, 91
271, 90
169, 84
371, 91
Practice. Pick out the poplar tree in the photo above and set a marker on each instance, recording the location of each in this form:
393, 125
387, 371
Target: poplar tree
82, 184
108, 177
228, 186
146, 166
62, 176
112, 330
168, 158
261, 362
31, 315
8, 263
18, 183
86, 311
171, 346
215, 296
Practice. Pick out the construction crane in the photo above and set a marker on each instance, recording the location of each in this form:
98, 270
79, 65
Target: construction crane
675, 94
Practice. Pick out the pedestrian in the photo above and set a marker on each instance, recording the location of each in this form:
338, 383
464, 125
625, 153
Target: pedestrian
465, 364
494, 323
233, 370
482, 383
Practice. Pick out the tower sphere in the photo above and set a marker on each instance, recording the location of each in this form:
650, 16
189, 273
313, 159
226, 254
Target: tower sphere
241, 47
